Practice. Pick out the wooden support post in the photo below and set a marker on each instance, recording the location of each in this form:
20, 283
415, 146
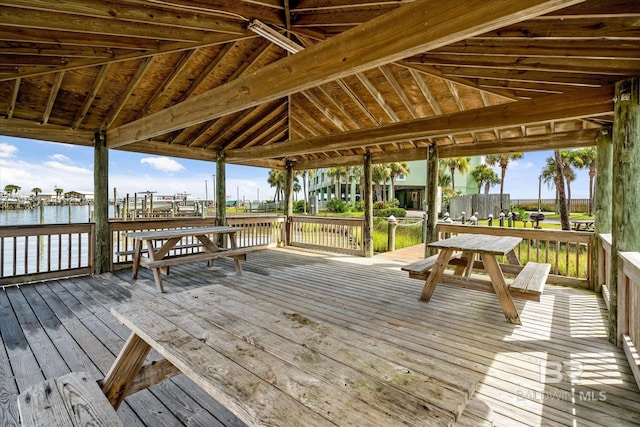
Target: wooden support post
367, 232
432, 200
102, 239
288, 203
604, 188
221, 195
626, 198
221, 198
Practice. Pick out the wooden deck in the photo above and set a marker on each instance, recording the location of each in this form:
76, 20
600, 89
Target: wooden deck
51, 328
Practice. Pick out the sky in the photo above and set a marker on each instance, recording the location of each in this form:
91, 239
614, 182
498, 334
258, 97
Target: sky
46, 165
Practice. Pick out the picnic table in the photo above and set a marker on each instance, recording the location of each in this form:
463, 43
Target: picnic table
160, 243
583, 224
271, 365
528, 284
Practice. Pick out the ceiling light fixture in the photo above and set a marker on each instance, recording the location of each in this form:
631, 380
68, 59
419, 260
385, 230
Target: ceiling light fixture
273, 36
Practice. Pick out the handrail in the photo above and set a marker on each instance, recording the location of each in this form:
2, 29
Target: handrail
629, 308
31, 253
339, 235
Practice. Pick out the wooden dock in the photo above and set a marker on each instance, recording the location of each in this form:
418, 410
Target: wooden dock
52, 328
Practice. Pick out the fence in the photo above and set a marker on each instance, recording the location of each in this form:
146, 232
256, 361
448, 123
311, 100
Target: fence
549, 205
569, 252
38, 252
340, 235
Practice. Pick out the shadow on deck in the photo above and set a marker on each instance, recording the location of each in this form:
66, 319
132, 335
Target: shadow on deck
556, 369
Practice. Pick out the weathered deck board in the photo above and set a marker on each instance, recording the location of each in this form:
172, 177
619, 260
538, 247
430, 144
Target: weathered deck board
371, 296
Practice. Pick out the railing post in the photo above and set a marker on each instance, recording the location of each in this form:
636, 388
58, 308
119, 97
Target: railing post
391, 233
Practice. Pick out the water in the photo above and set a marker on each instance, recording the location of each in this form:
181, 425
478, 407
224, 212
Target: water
52, 215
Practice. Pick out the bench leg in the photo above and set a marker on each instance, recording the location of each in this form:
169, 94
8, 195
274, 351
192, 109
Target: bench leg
158, 279
500, 288
436, 274
137, 251
125, 368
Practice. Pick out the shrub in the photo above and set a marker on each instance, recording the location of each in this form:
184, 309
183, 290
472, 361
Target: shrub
385, 213
298, 207
379, 205
337, 205
358, 206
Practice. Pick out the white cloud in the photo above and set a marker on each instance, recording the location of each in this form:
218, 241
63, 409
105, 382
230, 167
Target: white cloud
7, 150
62, 168
163, 164
60, 158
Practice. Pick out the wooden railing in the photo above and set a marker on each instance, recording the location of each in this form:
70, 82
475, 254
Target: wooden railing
604, 268
629, 308
569, 252
258, 230
38, 252
339, 235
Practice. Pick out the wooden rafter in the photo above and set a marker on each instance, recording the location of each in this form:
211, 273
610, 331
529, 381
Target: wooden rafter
98, 15
386, 72
53, 94
553, 107
74, 64
82, 112
12, 99
385, 39
124, 98
177, 70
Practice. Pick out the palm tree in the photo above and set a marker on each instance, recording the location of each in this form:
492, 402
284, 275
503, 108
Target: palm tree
11, 188
379, 175
296, 188
58, 191
568, 160
549, 176
395, 169
36, 191
444, 180
306, 174
357, 172
587, 160
564, 212
460, 164
277, 178
502, 160
483, 174
336, 175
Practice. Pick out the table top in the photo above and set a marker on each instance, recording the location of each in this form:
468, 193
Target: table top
181, 232
480, 243
271, 365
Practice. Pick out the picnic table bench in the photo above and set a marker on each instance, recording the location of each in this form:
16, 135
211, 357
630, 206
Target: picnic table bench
74, 399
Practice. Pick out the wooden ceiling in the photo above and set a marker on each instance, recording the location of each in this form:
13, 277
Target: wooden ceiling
188, 78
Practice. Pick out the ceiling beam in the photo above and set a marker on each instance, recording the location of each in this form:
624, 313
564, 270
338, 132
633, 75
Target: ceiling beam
562, 140
572, 105
45, 132
411, 29
565, 140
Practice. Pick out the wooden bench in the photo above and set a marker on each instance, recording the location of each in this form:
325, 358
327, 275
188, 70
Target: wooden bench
73, 399
531, 279
420, 269
145, 250
239, 254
